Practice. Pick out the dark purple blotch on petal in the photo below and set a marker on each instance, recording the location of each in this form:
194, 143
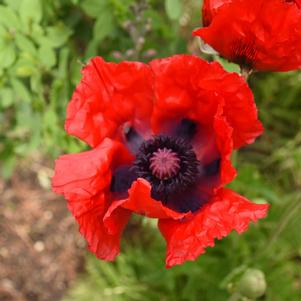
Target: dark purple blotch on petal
122, 179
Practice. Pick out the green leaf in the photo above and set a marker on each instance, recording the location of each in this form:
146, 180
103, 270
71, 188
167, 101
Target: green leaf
13, 4
26, 70
104, 25
6, 98
25, 44
21, 91
94, 8
230, 67
58, 35
3, 32
26, 65
9, 18
49, 119
37, 32
36, 84
30, 11
173, 9
7, 55
47, 56
3, 37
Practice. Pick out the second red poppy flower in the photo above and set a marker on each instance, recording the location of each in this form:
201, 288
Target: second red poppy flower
259, 34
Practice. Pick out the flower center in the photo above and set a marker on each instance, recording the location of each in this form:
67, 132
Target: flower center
169, 164
164, 163
177, 178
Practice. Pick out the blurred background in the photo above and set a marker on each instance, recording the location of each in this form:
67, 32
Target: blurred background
43, 45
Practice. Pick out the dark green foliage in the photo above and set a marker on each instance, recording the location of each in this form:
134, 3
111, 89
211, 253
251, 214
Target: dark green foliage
43, 45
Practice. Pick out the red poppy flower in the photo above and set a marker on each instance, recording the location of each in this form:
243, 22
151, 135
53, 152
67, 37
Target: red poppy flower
162, 135
259, 34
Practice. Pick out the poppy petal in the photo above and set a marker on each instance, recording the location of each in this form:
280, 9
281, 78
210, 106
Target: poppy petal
103, 240
106, 98
210, 9
223, 134
141, 202
83, 178
228, 211
83, 175
189, 87
116, 218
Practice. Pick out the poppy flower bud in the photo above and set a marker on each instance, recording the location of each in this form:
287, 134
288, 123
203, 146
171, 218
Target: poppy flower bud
252, 284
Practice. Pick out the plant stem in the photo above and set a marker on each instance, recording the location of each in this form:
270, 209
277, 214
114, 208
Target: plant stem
245, 72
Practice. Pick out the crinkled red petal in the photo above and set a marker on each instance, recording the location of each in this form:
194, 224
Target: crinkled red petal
210, 9
83, 175
116, 217
211, 144
141, 202
228, 211
262, 34
189, 87
106, 97
204, 144
84, 179
102, 240
223, 134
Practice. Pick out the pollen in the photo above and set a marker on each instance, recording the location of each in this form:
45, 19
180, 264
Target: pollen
164, 163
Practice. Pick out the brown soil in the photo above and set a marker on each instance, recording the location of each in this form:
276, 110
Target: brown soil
39, 243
